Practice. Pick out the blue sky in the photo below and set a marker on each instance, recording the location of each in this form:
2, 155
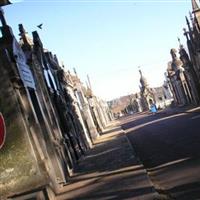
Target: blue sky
107, 39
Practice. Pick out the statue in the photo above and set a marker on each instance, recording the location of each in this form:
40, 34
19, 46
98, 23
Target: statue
173, 54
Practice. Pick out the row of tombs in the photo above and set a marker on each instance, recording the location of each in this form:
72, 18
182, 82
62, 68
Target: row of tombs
51, 118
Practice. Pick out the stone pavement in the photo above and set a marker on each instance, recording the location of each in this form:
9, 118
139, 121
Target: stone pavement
183, 109
109, 171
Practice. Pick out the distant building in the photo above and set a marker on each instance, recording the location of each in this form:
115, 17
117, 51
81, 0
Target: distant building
162, 96
121, 105
146, 93
181, 78
140, 101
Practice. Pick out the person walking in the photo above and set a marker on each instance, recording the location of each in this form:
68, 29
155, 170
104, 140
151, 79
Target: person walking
153, 108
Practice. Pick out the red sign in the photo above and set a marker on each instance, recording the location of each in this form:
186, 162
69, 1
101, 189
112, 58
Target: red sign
2, 131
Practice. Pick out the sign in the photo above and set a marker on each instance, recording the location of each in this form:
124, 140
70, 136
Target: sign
24, 70
2, 131
26, 75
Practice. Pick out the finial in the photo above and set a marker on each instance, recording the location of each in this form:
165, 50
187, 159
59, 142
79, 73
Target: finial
185, 33
88, 78
62, 64
188, 24
190, 14
86, 83
140, 71
75, 71
21, 30
187, 21
180, 45
195, 6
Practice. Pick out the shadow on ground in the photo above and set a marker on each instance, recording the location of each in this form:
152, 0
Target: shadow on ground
109, 171
168, 146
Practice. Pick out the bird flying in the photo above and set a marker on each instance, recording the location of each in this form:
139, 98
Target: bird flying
40, 26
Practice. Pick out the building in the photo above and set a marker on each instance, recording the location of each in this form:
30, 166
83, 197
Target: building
90, 121
49, 124
162, 96
191, 60
71, 90
29, 158
183, 71
94, 110
146, 93
181, 77
176, 75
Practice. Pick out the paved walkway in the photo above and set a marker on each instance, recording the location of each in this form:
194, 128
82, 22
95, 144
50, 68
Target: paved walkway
109, 171
183, 109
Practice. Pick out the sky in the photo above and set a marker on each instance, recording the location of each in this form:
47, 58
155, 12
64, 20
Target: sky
107, 39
